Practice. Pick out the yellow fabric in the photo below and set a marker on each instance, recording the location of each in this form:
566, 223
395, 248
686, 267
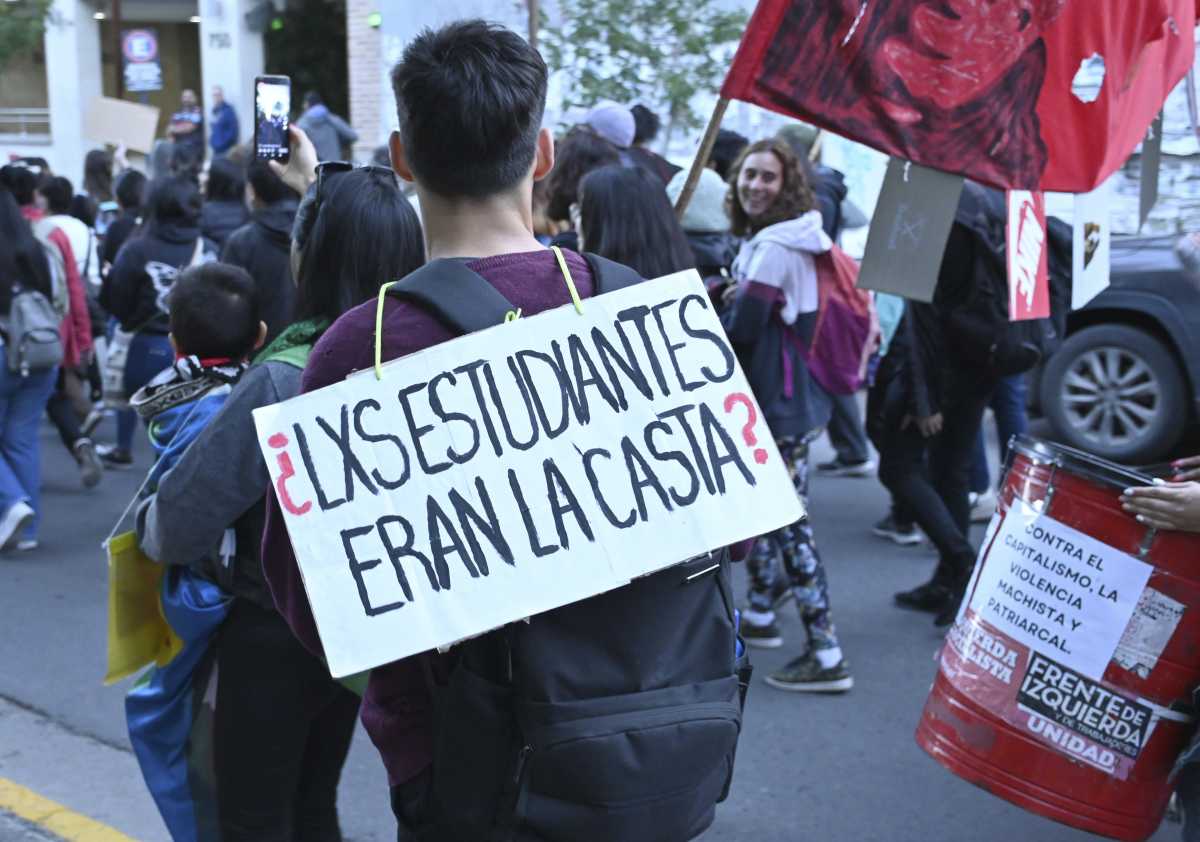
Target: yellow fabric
138, 633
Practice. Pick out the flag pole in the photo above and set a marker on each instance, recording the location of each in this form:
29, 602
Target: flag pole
698, 165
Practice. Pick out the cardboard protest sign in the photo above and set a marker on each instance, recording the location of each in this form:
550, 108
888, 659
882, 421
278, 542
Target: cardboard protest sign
116, 121
909, 230
1048, 609
1028, 259
519, 469
1091, 250
983, 88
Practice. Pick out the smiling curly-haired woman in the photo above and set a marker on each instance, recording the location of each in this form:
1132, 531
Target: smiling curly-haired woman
771, 203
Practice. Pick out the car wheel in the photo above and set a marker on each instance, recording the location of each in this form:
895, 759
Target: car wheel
1117, 392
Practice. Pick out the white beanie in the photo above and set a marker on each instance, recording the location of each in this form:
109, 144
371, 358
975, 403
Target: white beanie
612, 122
706, 211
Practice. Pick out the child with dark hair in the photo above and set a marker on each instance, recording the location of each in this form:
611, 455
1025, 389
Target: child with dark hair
215, 325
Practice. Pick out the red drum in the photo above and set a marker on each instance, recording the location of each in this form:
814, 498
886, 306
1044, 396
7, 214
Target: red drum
1065, 686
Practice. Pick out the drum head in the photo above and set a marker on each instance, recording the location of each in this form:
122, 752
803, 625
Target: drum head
1077, 462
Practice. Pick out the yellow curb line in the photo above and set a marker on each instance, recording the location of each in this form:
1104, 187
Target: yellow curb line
54, 817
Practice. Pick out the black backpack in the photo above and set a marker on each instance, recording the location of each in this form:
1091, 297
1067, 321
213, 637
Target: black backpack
615, 718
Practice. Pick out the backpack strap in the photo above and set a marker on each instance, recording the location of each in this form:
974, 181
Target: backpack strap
465, 302
453, 294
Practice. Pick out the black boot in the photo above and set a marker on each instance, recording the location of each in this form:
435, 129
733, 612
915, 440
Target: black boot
930, 597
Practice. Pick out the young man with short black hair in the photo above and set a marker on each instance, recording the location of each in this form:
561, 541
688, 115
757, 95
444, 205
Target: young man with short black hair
470, 98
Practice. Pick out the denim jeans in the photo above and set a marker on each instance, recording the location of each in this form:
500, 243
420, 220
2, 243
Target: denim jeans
149, 353
1008, 405
22, 402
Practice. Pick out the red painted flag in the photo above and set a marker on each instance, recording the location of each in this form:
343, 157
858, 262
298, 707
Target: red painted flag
981, 88
1028, 259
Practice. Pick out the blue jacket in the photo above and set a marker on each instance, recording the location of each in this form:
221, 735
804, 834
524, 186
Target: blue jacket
224, 132
177, 405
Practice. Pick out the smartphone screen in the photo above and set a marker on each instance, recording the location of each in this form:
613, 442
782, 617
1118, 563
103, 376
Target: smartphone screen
272, 104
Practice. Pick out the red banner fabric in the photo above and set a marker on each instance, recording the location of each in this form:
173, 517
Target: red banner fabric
981, 88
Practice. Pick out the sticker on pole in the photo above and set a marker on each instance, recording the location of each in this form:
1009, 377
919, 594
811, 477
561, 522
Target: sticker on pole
521, 468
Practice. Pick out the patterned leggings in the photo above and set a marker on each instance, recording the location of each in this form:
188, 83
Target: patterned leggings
805, 575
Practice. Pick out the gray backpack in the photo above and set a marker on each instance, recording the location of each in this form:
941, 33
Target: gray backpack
32, 336
613, 719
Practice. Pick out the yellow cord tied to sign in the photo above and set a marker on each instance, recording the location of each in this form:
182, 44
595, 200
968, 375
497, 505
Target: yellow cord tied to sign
562, 264
379, 329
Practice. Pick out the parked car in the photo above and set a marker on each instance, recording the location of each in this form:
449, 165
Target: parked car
1125, 382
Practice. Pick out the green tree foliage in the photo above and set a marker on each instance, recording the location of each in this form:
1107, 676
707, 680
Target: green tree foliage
22, 24
658, 52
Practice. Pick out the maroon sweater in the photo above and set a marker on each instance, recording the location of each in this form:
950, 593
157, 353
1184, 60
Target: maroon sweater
397, 710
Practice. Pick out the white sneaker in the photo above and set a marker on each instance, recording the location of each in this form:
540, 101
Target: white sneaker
13, 522
27, 544
983, 506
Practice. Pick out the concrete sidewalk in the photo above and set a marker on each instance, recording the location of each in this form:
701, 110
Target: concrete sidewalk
58, 784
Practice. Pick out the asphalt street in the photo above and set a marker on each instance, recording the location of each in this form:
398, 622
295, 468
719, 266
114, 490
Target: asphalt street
840, 768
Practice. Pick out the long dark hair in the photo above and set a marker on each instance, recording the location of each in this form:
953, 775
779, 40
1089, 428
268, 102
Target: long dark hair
98, 175
21, 257
625, 216
365, 234
795, 194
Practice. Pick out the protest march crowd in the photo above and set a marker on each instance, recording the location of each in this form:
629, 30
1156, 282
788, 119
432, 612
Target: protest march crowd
183, 300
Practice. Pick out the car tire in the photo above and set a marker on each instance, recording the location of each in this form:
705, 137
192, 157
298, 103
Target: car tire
1116, 392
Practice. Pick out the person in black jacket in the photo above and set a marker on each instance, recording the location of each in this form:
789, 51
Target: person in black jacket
136, 290
930, 393
224, 208
263, 245
131, 186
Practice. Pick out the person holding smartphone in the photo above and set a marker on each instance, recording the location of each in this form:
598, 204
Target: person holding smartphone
281, 725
